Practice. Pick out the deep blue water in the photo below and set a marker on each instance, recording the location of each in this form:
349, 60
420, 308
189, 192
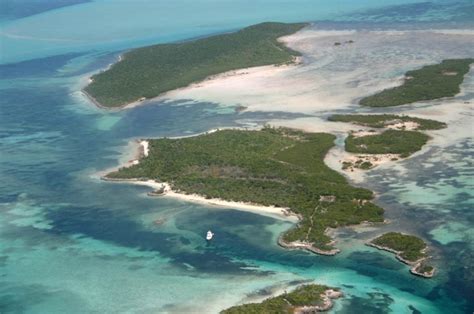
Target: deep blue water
72, 243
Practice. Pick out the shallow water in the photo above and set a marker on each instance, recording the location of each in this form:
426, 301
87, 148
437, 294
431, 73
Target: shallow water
72, 243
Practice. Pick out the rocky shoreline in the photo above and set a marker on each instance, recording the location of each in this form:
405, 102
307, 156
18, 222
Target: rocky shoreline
297, 245
161, 189
305, 299
328, 296
415, 265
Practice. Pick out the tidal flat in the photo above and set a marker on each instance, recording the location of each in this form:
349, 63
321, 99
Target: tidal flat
72, 243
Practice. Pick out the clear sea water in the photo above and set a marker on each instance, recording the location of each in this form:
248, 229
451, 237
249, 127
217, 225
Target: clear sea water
70, 243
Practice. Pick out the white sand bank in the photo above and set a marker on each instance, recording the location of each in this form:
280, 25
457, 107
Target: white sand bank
330, 77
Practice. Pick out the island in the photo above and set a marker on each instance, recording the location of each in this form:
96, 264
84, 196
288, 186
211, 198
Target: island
428, 83
368, 149
409, 249
274, 167
399, 138
399, 142
401, 122
304, 299
147, 72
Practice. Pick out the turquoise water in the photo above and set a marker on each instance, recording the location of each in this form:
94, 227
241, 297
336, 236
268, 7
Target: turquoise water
111, 25
70, 243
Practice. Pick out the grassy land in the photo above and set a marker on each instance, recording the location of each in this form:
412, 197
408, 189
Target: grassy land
404, 143
149, 71
410, 247
285, 303
428, 83
385, 120
271, 167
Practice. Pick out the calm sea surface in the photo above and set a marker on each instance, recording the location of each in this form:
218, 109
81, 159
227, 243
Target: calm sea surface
70, 243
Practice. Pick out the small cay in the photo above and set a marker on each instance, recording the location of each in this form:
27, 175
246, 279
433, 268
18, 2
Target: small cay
392, 138
304, 299
409, 249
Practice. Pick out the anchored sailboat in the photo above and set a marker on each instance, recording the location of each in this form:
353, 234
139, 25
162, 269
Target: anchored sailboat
209, 235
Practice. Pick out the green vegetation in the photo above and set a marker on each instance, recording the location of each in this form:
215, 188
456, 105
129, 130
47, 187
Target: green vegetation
409, 247
428, 83
385, 120
365, 165
404, 143
149, 71
285, 303
423, 268
358, 164
271, 167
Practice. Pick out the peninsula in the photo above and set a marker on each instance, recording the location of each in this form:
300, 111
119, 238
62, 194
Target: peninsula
147, 72
304, 299
409, 249
428, 83
281, 168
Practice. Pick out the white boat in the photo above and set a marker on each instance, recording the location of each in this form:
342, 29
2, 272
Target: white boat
209, 235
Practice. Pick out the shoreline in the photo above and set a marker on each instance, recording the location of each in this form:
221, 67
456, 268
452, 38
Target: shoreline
163, 189
325, 302
327, 297
116, 108
296, 245
414, 264
295, 61
166, 191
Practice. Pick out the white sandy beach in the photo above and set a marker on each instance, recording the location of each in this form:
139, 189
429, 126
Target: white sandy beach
314, 87
145, 145
274, 212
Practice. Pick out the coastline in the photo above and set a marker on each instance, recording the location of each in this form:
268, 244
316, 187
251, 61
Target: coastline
114, 248
116, 108
297, 245
296, 61
274, 212
92, 99
324, 303
327, 297
414, 264
165, 189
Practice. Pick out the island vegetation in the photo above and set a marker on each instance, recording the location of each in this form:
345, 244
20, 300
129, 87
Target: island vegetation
307, 298
270, 167
399, 139
400, 142
147, 72
408, 249
388, 120
428, 83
